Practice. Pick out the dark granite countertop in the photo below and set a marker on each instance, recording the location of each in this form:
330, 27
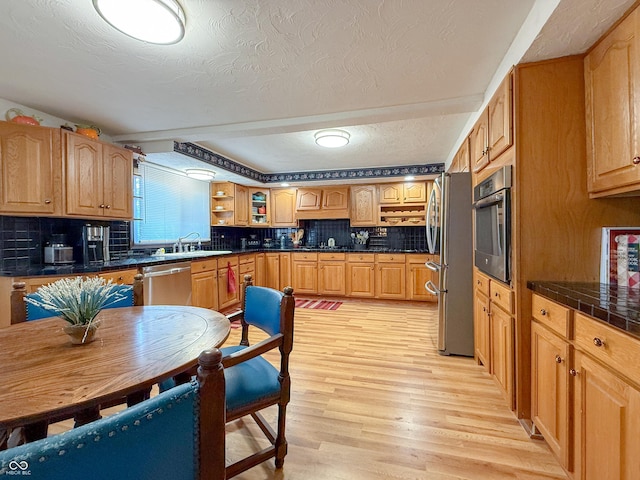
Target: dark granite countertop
145, 261
617, 306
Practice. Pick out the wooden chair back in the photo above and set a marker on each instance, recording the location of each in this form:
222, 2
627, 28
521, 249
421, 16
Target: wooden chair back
272, 312
20, 312
178, 434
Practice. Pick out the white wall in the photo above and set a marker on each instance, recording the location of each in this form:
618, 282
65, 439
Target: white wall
48, 120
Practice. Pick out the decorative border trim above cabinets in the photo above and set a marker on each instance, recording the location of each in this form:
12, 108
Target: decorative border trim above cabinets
216, 160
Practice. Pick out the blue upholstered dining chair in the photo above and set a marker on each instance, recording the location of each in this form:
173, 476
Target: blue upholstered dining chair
21, 311
177, 435
252, 382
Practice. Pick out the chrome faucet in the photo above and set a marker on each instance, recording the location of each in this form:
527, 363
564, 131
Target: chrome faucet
180, 247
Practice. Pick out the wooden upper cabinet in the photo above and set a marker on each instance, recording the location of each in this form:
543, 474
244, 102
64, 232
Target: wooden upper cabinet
336, 198
414, 192
501, 119
398, 193
479, 143
327, 202
612, 93
30, 165
309, 199
460, 162
117, 178
391, 193
241, 205
492, 134
98, 178
283, 202
364, 206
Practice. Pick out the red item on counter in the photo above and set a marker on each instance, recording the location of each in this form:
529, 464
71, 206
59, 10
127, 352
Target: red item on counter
231, 279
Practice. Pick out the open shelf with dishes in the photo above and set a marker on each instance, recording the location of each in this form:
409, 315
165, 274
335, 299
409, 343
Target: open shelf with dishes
259, 205
222, 204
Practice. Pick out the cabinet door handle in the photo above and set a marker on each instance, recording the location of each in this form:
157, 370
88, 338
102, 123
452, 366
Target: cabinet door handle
573, 372
543, 312
107, 207
558, 359
598, 342
636, 160
102, 205
47, 201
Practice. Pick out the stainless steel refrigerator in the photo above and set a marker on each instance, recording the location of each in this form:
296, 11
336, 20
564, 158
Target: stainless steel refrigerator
449, 233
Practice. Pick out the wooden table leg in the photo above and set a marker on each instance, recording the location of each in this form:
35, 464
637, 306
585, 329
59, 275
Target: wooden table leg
87, 415
35, 431
138, 397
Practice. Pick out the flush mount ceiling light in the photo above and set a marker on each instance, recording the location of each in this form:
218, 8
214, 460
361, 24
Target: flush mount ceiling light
154, 21
332, 138
200, 174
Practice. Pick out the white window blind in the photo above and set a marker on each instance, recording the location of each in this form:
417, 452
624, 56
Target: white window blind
169, 206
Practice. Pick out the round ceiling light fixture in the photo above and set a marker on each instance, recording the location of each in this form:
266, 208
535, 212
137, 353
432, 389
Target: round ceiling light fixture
154, 21
332, 138
201, 174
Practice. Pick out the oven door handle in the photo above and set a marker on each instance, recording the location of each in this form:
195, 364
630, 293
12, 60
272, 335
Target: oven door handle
487, 202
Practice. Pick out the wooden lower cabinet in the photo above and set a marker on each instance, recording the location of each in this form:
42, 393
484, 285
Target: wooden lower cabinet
204, 284
228, 295
305, 272
331, 274
607, 422
246, 266
502, 354
550, 360
261, 269
481, 329
390, 276
272, 270
417, 275
278, 270
360, 276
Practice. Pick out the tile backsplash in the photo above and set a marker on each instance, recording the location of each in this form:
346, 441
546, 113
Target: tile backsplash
22, 239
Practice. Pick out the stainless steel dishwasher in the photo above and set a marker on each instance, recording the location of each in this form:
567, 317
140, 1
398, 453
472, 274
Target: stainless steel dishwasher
168, 284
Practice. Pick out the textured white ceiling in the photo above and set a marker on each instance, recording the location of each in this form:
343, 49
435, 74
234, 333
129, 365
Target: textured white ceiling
254, 79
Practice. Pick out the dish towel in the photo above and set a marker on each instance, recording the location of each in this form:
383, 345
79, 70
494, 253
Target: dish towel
231, 279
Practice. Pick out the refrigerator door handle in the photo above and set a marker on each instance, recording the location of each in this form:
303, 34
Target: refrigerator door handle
430, 227
433, 266
431, 288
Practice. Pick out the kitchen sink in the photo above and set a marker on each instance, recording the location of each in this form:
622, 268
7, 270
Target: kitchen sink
195, 254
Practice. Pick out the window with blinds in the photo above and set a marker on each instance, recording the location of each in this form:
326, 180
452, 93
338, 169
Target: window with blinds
168, 205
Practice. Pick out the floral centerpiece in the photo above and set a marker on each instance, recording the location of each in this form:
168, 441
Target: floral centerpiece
78, 300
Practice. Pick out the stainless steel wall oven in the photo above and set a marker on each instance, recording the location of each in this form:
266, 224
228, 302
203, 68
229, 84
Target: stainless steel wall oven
492, 241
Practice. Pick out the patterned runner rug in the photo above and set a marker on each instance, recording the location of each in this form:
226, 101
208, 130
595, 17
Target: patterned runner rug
317, 304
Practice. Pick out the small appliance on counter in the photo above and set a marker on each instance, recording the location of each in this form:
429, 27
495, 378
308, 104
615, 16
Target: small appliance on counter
95, 244
57, 252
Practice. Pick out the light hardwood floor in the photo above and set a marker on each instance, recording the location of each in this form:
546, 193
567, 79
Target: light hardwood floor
372, 399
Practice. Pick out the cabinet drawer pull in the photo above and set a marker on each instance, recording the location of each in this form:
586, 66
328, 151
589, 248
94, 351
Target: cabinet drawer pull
598, 342
636, 160
543, 312
558, 359
573, 372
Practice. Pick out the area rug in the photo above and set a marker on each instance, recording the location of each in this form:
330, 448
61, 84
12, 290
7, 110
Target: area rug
317, 304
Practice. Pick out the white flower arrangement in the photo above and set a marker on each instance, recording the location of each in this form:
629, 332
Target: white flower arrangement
77, 300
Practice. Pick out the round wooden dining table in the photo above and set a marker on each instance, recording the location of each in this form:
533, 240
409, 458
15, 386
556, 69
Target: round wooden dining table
43, 376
